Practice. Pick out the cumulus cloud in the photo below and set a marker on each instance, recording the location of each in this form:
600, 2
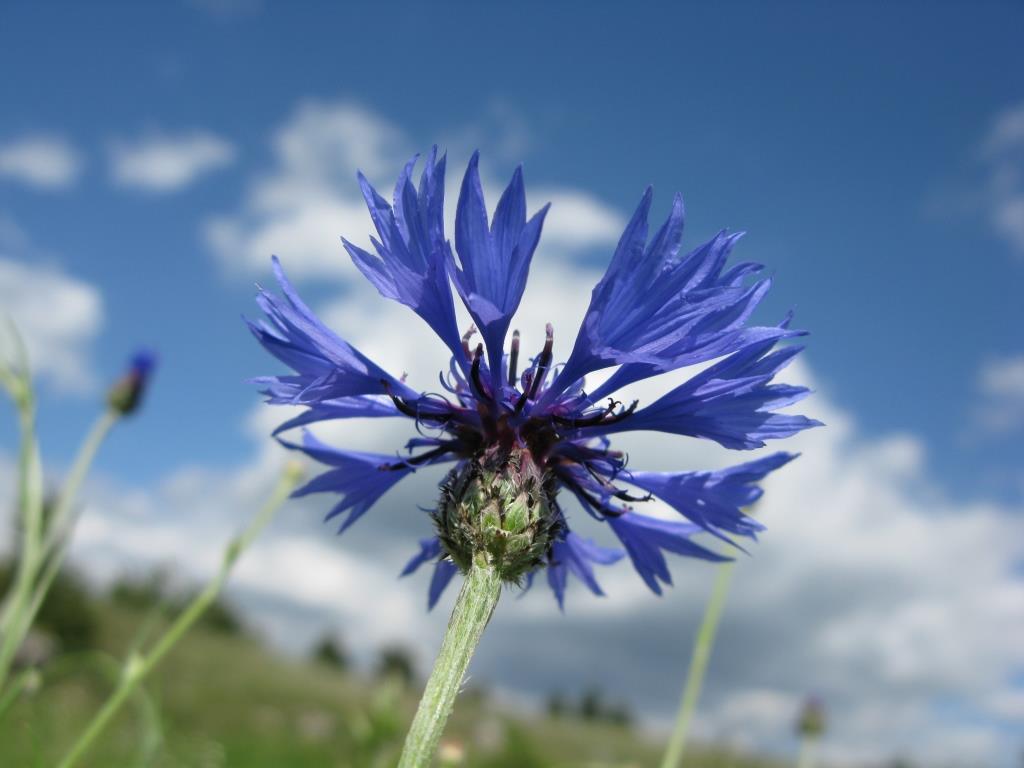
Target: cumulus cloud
41, 161
57, 315
162, 163
300, 208
1003, 153
1001, 395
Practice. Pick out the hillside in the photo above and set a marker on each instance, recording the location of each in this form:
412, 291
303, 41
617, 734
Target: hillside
222, 699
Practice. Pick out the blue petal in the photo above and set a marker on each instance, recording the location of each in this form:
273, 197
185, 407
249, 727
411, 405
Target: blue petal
412, 254
494, 261
362, 407
360, 478
575, 555
711, 333
444, 570
644, 539
326, 367
714, 500
730, 402
430, 549
650, 302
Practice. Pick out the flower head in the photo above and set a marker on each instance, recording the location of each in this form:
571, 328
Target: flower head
125, 396
521, 433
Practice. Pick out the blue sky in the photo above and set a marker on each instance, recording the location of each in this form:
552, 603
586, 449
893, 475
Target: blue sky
873, 154
841, 138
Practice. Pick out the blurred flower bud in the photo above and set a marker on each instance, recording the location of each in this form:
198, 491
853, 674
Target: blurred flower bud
811, 722
126, 394
451, 753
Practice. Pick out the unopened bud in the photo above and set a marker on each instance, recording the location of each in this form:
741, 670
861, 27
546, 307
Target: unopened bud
126, 394
811, 722
498, 511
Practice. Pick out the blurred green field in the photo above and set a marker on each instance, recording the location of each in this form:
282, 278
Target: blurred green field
223, 699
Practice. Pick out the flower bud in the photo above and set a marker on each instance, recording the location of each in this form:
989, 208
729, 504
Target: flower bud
126, 394
498, 510
811, 722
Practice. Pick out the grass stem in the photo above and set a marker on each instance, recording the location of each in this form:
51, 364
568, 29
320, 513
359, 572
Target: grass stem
698, 666
139, 665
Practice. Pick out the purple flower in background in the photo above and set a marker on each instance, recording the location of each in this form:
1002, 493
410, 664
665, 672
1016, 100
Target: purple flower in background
519, 432
125, 395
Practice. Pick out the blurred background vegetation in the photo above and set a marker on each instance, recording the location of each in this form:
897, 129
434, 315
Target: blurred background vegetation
224, 698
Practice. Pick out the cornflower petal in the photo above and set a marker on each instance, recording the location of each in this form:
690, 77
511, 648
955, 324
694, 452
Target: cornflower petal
360, 478
576, 555
444, 569
411, 262
731, 402
714, 500
649, 298
494, 261
644, 539
326, 367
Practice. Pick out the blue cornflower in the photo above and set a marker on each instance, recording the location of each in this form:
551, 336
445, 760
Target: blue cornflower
519, 434
125, 396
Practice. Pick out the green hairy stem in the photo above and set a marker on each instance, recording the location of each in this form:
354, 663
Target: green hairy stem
472, 612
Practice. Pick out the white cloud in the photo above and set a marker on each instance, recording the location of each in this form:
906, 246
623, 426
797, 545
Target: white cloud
300, 208
578, 220
162, 163
1001, 395
1003, 152
42, 161
57, 315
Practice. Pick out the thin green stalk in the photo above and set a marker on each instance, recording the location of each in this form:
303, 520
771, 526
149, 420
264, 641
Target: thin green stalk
58, 532
28, 678
45, 542
107, 667
808, 752
698, 666
473, 609
59, 523
30, 505
139, 665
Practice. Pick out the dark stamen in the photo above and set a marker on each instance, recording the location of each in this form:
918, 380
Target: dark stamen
400, 404
475, 372
618, 493
513, 359
589, 421
543, 361
599, 506
602, 419
622, 414
405, 407
416, 461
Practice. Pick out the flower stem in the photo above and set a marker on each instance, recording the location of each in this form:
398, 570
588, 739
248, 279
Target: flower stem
698, 666
45, 541
473, 609
139, 665
28, 678
30, 509
808, 752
